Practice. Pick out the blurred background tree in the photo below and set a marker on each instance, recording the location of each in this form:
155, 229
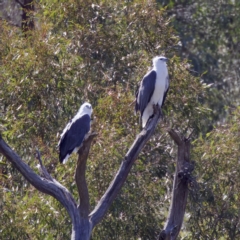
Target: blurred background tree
209, 36
98, 52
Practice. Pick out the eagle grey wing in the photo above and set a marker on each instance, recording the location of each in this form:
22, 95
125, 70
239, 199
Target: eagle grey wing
74, 136
166, 90
145, 91
64, 132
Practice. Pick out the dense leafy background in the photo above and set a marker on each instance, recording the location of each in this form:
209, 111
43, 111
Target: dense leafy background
98, 52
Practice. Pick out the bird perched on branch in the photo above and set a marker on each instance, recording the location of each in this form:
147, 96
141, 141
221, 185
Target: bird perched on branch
75, 132
153, 89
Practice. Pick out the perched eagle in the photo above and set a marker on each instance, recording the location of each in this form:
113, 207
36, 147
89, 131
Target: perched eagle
153, 89
75, 132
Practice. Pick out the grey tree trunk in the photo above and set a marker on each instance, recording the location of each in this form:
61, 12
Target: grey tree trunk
182, 179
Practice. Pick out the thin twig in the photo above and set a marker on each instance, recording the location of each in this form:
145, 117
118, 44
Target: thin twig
42, 168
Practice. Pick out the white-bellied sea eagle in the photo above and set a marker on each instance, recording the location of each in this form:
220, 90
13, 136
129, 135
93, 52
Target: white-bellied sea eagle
75, 132
153, 89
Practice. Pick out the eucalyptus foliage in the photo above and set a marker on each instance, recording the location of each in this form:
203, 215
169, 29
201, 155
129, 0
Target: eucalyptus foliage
98, 52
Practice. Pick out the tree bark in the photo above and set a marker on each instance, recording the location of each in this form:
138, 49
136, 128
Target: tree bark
180, 189
84, 205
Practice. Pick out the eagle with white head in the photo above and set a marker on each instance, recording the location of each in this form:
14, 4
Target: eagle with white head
75, 132
153, 89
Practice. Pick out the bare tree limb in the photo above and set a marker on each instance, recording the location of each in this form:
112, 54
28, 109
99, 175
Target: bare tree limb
176, 138
180, 188
80, 176
54, 188
117, 183
42, 168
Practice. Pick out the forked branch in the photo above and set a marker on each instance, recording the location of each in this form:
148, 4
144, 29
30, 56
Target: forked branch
44, 185
82, 221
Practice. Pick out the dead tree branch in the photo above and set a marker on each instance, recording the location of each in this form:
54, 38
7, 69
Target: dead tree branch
117, 183
82, 222
80, 176
52, 188
182, 179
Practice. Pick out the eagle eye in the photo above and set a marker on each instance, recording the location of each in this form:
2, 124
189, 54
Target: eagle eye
163, 59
